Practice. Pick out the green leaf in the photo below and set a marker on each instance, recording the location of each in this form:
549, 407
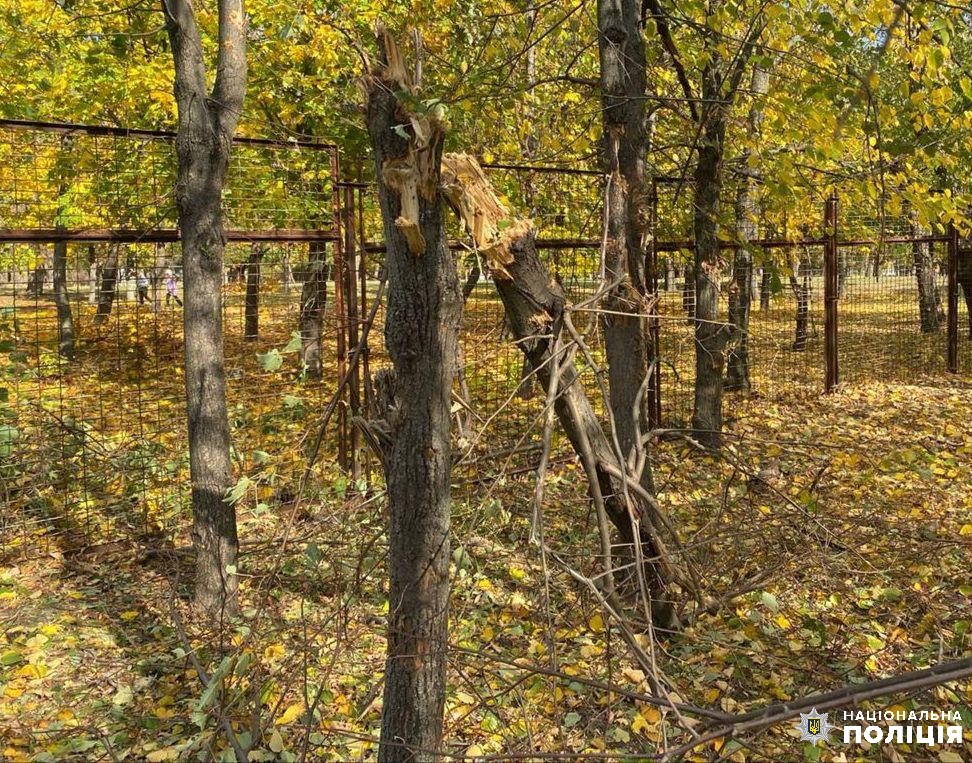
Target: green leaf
270, 361
313, 553
571, 720
238, 490
294, 344
770, 602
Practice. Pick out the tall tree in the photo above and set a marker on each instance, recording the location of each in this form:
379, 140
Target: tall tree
621, 49
747, 229
207, 122
719, 81
421, 334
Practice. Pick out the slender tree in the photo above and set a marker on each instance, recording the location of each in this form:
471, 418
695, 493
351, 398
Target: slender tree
207, 122
719, 82
747, 228
421, 334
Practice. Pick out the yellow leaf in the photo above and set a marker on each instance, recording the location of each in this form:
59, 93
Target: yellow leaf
781, 621
128, 616
158, 756
290, 715
651, 714
596, 622
966, 530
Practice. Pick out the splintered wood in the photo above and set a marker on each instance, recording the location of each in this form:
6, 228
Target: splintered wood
470, 194
416, 172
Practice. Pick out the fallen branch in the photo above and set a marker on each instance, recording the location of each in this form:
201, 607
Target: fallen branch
851, 694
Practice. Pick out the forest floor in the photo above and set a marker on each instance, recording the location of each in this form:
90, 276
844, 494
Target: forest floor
867, 573
858, 533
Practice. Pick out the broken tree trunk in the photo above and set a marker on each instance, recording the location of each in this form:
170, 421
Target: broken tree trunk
535, 307
421, 335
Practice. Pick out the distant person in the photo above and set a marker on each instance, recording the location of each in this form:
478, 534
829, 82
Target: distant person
142, 284
170, 289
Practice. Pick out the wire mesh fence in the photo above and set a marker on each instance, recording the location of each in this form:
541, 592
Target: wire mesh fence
95, 447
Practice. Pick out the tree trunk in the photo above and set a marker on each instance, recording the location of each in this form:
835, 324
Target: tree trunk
37, 279
207, 123
747, 217
251, 318
313, 299
929, 297
765, 287
711, 335
621, 49
421, 334
534, 306
107, 285
801, 292
65, 321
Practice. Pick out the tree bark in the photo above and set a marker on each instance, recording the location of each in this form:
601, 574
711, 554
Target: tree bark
313, 300
621, 49
65, 321
711, 335
251, 307
207, 123
421, 334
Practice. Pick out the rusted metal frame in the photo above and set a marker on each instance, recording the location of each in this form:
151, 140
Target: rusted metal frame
154, 236
952, 299
133, 132
831, 295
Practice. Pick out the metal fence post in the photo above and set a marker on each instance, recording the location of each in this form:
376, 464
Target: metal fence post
952, 246
832, 376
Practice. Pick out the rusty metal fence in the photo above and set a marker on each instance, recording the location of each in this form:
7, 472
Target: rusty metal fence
95, 447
